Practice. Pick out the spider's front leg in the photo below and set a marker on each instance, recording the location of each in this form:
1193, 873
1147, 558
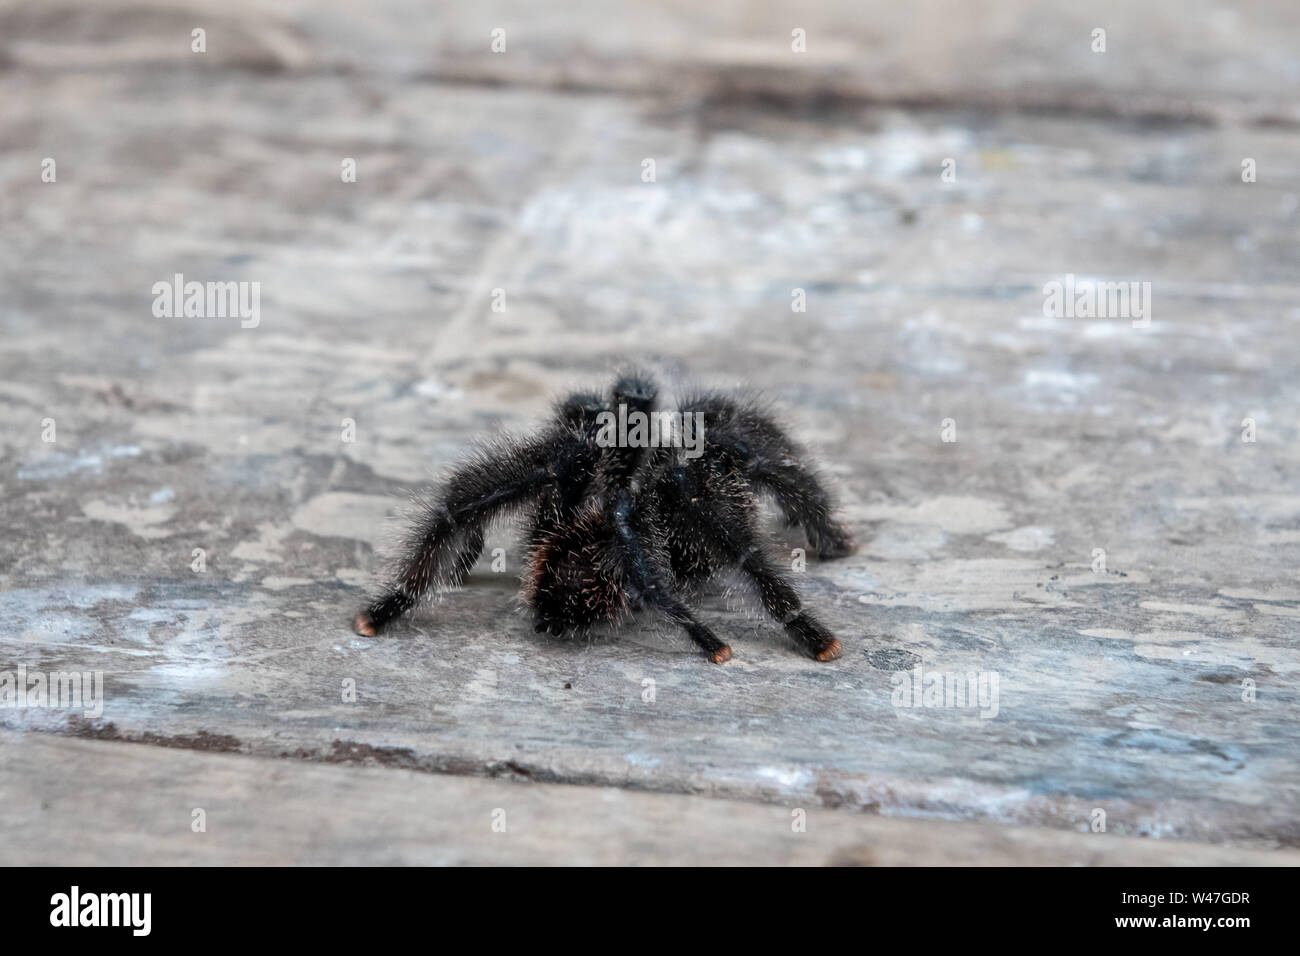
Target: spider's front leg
448, 537
781, 600
648, 584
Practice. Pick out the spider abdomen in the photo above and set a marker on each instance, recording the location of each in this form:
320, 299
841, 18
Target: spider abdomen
572, 576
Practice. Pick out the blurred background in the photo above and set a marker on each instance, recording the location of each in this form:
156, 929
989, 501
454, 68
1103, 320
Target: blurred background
447, 213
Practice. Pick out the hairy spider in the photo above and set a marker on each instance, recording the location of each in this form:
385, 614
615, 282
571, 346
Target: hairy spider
621, 523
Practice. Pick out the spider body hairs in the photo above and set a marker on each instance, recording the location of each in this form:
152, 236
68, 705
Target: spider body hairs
622, 525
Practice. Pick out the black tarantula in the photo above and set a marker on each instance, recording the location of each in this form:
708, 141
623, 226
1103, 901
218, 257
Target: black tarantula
622, 523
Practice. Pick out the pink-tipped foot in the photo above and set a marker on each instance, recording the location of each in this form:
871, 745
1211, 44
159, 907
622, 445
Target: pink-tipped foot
363, 625
830, 651
721, 655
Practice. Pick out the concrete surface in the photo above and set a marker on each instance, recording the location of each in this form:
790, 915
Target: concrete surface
216, 809
1160, 690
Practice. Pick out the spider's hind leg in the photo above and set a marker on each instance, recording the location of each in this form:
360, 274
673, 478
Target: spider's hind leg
448, 538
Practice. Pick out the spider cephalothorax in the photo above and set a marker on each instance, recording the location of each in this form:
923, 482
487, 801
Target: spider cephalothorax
624, 518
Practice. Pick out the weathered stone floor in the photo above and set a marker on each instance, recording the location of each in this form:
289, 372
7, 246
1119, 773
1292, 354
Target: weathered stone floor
1126, 690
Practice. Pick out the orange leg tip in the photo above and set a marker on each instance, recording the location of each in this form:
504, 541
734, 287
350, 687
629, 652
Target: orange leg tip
830, 651
363, 625
721, 655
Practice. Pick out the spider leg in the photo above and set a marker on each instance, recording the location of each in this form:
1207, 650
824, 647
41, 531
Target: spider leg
781, 600
648, 584
468, 555
737, 538
771, 461
447, 539
805, 502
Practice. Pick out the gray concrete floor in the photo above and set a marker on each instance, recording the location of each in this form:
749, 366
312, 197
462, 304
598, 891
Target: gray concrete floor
1160, 690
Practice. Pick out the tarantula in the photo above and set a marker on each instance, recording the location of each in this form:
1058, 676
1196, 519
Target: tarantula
619, 523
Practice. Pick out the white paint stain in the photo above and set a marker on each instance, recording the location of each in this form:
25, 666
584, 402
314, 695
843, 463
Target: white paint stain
1028, 538
141, 522
953, 513
788, 777
339, 514
266, 547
